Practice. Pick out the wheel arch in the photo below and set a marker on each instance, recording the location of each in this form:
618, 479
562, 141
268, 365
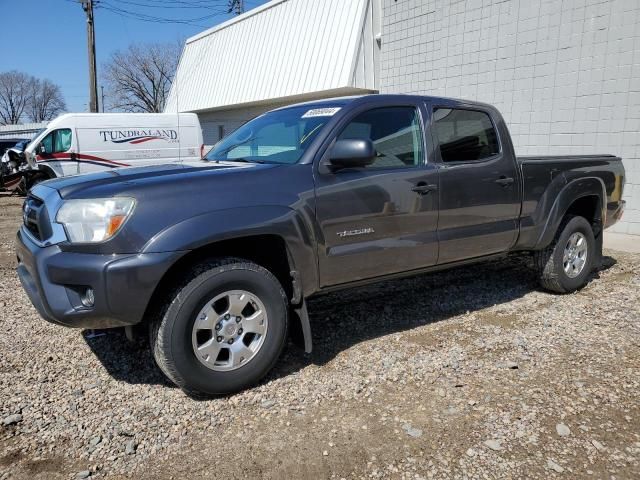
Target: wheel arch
45, 169
268, 250
584, 197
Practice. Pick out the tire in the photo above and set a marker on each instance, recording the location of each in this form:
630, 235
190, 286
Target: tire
174, 339
36, 179
550, 263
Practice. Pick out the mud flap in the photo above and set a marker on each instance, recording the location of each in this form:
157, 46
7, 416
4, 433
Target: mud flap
304, 324
597, 261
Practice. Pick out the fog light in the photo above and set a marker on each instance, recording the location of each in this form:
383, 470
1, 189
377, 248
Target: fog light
89, 298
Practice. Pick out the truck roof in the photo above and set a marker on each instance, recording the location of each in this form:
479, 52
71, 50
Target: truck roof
342, 101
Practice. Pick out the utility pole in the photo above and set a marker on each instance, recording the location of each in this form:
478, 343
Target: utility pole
87, 6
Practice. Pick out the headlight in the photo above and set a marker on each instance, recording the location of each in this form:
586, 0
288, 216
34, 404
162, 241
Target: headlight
93, 221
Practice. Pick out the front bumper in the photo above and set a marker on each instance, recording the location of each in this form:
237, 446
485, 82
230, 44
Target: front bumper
122, 283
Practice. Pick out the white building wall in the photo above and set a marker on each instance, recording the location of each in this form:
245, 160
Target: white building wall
22, 130
282, 49
564, 73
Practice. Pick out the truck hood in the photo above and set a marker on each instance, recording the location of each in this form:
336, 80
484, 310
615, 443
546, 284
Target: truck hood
120, 179
170, 195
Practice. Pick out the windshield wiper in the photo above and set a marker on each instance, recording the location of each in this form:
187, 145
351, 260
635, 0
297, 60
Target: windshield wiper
241, 159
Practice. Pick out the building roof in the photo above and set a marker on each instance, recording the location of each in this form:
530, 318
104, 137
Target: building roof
284, 49
20, 131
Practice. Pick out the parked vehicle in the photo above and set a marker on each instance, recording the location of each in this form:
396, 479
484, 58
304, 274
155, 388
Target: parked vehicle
7, 143
14, 176
218, 261
77, 143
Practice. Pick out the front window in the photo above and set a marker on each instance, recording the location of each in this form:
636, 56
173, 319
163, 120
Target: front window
57, 141
46, 145
395, 133
282, 136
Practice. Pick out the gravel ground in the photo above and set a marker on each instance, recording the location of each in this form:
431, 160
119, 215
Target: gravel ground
471, 373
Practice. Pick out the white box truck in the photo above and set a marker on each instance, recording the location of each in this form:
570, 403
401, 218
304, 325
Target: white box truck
77, 143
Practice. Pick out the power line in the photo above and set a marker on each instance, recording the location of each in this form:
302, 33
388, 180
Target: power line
131, 9
200, 3
168, 5
135, 15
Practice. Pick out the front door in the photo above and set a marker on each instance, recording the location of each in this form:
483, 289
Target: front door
55, 149
380, 219
479, 191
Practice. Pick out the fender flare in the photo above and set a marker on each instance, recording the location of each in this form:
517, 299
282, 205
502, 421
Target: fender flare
572, 191
213, 227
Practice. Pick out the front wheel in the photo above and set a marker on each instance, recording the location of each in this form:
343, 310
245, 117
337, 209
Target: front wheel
565, 265
222, 329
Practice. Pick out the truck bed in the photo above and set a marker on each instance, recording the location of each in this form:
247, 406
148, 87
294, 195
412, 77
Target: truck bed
544, 177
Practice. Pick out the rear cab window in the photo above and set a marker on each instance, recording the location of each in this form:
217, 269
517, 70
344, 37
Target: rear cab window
465, 135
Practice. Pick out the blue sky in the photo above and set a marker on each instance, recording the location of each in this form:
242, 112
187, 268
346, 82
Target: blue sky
50, 41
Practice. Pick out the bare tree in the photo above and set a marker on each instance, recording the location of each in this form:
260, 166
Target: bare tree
46, 101
235, 6
15, 93
139, 79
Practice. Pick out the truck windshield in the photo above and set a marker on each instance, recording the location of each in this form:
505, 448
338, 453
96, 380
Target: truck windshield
282, 136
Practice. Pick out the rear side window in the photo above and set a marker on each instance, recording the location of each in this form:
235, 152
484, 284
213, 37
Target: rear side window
465, 135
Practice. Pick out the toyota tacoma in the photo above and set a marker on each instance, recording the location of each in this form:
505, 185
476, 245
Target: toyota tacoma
217, 260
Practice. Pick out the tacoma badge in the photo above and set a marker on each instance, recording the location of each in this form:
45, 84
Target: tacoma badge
352, 233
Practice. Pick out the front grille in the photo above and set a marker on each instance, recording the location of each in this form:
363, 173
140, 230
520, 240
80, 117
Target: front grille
36, 218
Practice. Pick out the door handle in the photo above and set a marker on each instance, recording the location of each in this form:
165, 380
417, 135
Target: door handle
423, 188
505, 181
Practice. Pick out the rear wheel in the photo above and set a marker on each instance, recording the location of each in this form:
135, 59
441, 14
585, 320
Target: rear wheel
565, 265
222, 329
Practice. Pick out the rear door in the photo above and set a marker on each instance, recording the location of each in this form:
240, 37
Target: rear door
380, 219
479, 191
190, 138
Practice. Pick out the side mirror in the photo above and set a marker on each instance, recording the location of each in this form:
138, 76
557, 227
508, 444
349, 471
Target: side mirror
41, 149
352, 153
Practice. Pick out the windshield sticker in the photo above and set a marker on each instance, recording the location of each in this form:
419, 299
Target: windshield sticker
321, 112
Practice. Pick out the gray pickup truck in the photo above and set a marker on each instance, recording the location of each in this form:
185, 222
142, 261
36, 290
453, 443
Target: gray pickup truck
216, 260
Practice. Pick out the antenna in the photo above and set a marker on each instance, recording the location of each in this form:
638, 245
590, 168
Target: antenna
177, 107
